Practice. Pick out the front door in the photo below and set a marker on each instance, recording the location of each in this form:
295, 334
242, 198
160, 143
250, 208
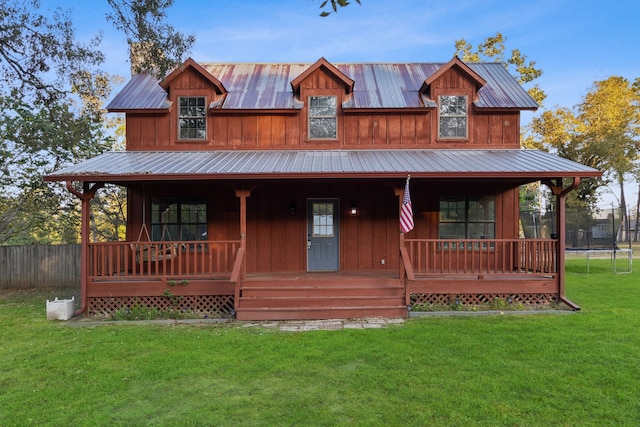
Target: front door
323, 243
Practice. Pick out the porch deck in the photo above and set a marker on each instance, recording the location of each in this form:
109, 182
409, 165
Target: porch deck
209, 276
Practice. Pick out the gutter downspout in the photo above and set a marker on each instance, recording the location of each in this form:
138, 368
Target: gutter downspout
560, 194
85, 197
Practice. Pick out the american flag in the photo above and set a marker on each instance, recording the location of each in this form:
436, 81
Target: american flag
406, 214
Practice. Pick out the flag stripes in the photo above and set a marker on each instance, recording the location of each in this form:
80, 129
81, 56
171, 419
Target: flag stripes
406, 213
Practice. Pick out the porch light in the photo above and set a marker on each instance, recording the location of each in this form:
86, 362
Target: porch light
292, 209
354, 209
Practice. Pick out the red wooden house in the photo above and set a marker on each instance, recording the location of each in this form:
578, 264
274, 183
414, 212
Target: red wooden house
274, 191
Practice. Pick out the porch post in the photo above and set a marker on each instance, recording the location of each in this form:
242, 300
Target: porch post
85, 197
561, 193
242, 194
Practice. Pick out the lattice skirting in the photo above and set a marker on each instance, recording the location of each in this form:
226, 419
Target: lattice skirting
211, 304
479, 299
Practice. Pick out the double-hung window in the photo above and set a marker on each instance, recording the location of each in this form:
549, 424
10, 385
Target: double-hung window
453, 116
467, 217
192, 118
323, 119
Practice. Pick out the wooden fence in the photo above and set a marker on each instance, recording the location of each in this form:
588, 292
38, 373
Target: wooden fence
36, 266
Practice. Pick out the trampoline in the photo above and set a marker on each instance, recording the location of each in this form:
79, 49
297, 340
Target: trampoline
613, 254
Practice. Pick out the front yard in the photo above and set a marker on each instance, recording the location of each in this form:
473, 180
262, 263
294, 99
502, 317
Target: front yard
546, 369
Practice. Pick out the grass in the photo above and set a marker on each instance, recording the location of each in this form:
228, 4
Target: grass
523, 370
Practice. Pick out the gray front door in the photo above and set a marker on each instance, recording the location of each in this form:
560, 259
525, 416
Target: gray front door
323, 240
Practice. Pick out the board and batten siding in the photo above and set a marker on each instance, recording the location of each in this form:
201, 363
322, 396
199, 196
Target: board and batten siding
36, 266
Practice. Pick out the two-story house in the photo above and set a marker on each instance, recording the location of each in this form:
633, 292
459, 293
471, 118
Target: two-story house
275, 191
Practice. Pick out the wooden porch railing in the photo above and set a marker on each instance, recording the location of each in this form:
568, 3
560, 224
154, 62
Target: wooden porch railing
163, 259
482, 256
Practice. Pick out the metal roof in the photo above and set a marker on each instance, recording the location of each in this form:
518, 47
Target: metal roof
122, 166
142, 92
268, 86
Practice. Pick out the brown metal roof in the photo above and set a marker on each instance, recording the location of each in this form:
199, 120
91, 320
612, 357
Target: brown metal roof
124, 166
377, 86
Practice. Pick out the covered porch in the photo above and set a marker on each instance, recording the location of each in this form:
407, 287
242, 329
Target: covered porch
256, 269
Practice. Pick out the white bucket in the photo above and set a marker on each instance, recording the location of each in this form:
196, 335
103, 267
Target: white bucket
60, 309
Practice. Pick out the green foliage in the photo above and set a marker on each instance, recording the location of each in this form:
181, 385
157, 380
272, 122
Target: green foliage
493, 49
136, 312
142, 312
498, 304
602, 132
156, 46
52, 115
334, 4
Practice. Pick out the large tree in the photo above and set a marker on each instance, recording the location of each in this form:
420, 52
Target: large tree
51, 106
603, 132
156, 47
48, 81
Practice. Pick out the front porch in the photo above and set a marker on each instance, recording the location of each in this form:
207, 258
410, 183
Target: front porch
210, 277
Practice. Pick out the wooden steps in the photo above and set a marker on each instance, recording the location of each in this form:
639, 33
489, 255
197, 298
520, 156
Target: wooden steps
321, 297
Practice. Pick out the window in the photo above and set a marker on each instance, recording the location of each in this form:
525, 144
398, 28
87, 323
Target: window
323, 219
178, 219
193, 117
453, 116
467, 218
323, 117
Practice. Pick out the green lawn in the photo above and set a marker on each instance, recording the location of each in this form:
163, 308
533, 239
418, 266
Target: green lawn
516, 370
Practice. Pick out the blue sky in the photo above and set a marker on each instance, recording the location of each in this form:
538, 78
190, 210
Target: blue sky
574, 42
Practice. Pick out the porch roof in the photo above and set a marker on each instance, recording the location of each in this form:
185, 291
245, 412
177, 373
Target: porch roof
128, 166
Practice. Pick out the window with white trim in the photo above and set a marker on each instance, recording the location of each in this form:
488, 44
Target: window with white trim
453, 116
323, 117
192, 118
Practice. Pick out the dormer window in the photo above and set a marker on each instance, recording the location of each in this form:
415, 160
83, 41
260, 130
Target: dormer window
192, 118
323, 120
453, 116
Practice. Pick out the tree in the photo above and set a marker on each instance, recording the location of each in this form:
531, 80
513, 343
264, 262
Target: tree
601, 132
51, 102
156, 46
334, 4
493, 49
46, 120
611, 116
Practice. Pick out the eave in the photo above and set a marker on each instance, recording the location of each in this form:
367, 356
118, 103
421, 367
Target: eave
513, 164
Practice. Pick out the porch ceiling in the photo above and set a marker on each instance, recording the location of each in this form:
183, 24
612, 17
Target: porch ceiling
127, 166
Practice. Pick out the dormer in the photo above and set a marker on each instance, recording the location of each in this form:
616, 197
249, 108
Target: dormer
194, 91
328, 69
452, 90
445, 77
322, 88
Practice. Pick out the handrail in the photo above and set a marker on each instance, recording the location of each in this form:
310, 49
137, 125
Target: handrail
237, 266
144, 259
408, 269
482, 256
235, 275
406, 262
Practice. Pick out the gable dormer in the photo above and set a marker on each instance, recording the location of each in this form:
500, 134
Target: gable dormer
324, 67
194, 91
322, 88
452, 89
455, 74
180, 77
